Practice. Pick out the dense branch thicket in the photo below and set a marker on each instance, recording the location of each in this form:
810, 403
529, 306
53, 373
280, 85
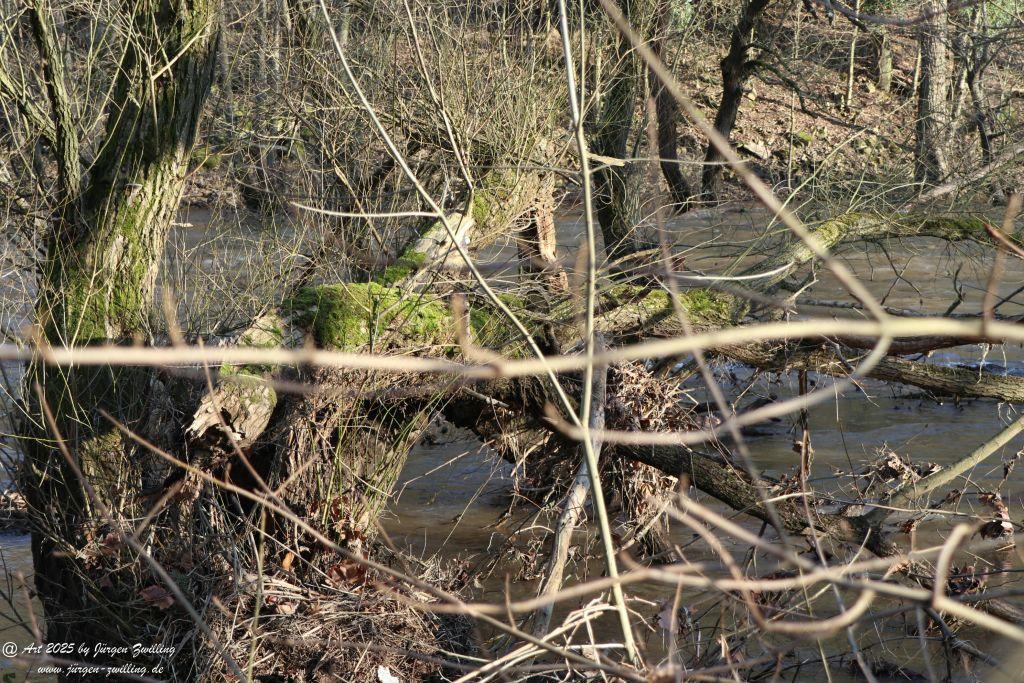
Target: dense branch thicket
515, 193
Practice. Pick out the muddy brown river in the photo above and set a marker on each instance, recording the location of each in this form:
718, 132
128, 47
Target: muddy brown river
453, 491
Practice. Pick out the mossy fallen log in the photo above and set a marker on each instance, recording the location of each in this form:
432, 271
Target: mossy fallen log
383, 316
851, 228
377, 315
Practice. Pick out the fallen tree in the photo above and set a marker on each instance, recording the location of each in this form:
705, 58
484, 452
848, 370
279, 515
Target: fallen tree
383, 317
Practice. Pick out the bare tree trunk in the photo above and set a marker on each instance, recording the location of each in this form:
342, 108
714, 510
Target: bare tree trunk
667, 113
883, 63
977, 57
931, 157
852, 62
537, 242
980, 114
612, 197
99, 277
962, 63
736, 68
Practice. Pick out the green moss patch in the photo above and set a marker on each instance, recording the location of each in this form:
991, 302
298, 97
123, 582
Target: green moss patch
350, 316
404, 267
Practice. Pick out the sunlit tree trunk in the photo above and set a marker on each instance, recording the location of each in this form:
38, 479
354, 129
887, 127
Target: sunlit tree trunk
884, 59
623, 90
99, 278
931, 160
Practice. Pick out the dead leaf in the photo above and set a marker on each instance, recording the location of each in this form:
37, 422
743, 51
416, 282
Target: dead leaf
283, 607
157, 596
683, 622
908, 526
1001, 526
964, 580
110, 544
347, 573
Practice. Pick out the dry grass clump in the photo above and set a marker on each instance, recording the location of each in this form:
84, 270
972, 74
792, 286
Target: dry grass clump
639, 401
342, 627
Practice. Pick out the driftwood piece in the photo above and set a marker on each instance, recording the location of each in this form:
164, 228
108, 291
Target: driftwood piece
572, 507
238, 409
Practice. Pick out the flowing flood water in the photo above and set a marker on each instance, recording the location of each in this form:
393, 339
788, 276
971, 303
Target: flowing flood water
453, 492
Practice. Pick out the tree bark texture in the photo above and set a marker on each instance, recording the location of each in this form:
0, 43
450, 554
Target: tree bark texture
615, 204
99, 277
736, 68
931, 158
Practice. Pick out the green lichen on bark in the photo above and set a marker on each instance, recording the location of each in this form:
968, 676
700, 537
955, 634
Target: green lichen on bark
493, 194
633, 305
103, 253
708, 306
503, 198
354, 316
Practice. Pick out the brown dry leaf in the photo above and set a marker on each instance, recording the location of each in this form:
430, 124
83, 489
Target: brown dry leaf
347, 573
683, 621
908, 526
1001, 526
111, 544
279, 606
157, 596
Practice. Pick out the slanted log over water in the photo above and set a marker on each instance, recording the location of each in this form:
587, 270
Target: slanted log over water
838, 360
348, 448
386, 318
730, 485
856, 227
